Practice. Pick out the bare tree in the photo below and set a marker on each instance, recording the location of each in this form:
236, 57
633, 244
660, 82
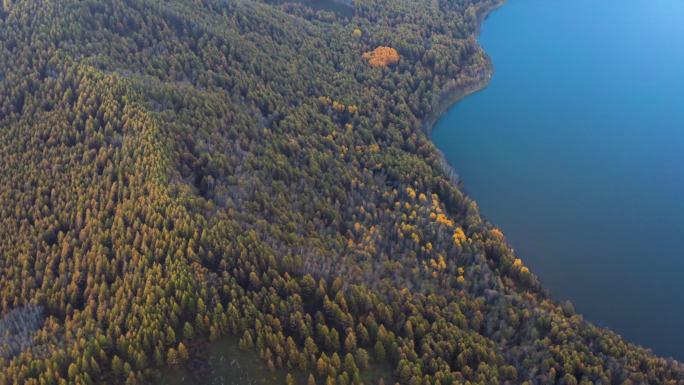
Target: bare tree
17, 329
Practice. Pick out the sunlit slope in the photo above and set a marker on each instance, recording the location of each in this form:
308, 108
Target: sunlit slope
177, 171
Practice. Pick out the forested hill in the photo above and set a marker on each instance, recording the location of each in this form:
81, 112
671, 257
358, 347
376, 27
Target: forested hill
177, 171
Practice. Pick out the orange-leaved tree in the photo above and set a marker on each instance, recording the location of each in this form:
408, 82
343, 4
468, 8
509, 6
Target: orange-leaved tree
382, 57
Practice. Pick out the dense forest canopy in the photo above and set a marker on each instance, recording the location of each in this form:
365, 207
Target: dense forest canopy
175, 171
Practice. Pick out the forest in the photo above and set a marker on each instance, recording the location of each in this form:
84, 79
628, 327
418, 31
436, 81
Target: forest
179, 171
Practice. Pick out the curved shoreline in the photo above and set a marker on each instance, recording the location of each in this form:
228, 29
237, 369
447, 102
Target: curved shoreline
448, 99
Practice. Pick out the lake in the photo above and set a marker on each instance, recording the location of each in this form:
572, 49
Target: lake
576, 151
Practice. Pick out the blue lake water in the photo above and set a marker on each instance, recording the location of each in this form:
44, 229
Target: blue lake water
576, 151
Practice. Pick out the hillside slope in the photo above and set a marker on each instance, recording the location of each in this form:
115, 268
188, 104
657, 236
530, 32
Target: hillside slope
176, 171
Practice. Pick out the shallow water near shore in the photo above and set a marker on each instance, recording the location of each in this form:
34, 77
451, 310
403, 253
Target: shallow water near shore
576, 150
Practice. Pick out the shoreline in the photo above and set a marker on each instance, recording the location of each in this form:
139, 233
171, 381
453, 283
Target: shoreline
448, 99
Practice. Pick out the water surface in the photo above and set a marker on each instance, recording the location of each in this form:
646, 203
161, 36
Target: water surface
576, 151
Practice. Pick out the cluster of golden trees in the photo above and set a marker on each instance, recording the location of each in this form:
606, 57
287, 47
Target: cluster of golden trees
382, 57
171, 174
